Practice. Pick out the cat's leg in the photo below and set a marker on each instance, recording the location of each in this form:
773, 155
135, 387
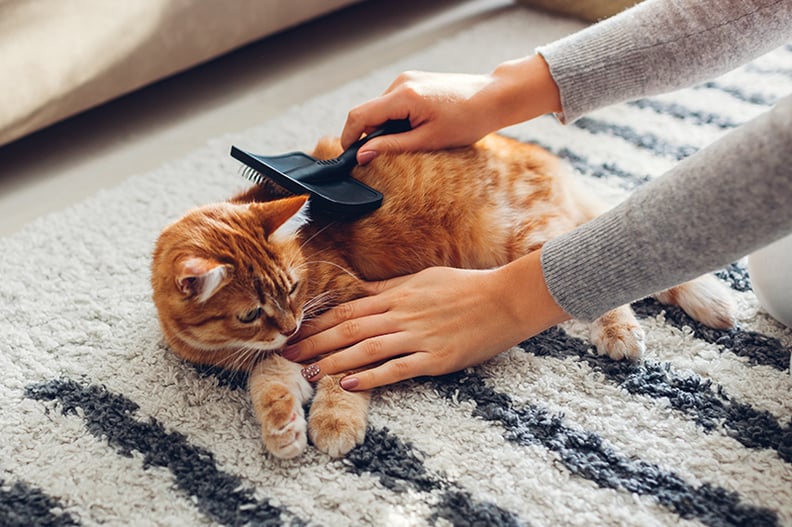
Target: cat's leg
618, 335
705, 299
337, 419
278, 392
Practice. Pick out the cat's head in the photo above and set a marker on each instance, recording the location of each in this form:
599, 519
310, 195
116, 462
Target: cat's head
227, 281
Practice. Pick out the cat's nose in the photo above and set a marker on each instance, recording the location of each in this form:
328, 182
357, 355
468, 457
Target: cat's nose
289, 328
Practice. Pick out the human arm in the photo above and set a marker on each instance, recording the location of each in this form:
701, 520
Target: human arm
711, 209
450, 109
434, 322
659, 46
656, 46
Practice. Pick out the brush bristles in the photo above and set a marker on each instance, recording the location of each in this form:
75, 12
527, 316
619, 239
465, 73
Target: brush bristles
252, 174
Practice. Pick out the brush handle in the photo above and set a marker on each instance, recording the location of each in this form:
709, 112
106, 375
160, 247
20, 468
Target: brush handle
390, 127
341, 166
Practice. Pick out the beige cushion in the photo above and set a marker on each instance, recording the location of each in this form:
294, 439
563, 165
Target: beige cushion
59, 57
590, 11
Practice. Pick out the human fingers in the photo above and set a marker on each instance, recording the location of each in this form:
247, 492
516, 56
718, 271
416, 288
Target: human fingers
418, 139
366, 117
342, 335
364, 354
380, 286
390, 372
360, 307
353, 309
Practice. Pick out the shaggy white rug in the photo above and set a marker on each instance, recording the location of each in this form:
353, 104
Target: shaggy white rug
100, 424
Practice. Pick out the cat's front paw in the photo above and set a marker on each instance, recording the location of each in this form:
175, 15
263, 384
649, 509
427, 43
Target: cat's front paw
337, 422
618, 335
283, 426
334, 435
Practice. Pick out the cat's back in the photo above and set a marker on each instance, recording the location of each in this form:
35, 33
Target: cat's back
464, 207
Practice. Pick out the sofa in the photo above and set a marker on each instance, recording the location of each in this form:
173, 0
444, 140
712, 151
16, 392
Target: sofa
60, 57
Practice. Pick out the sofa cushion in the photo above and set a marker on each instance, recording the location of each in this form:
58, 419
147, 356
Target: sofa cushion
59, 57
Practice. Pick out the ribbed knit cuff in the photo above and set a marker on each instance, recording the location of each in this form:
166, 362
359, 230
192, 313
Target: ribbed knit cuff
579, 267
592, 69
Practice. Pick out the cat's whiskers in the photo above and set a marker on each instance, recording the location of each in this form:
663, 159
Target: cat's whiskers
317, 303
244, 358
304, 263
317, 233
327, 262
198, 344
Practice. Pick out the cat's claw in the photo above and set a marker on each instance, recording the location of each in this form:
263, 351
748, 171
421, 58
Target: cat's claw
289, 441
283, 426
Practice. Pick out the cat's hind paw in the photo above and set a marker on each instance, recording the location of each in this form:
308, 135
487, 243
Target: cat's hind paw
618, 335
705, 299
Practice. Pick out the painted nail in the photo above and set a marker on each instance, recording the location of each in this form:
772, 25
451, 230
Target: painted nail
310, 371
349, 383
366, 157
290, 352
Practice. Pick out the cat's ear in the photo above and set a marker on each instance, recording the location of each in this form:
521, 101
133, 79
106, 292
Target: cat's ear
283, 218
201, 278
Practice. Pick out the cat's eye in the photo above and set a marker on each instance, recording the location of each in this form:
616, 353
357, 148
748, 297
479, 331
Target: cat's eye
250, 316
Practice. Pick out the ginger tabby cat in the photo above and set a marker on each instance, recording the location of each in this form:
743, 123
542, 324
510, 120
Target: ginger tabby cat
233, 281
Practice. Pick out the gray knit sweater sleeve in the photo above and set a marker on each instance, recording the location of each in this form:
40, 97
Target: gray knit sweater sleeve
711, 209
714, 207
661, 45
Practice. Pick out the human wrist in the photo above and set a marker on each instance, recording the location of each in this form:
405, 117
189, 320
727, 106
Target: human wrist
528, 301
523, 89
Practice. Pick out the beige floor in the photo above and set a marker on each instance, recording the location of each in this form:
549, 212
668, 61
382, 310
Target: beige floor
67, 162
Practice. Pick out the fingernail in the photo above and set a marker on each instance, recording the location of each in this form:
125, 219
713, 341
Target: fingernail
349, 383
365, 157
310, 371
290, 352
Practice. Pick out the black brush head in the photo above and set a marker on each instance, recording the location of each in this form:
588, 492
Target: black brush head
328, 182
300, 173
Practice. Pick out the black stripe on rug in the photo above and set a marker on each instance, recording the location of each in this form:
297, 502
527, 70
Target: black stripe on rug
711, 408
24, 506
736, 276
628, 180
580, 163
757, 348
643, 140
233, 380
108, 416
586, 455
759, 99
759, 70
682, 113
399, 467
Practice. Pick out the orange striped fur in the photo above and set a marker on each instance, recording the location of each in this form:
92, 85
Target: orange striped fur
232, 281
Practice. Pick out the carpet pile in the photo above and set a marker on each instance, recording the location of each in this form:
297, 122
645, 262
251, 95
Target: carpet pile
101, 425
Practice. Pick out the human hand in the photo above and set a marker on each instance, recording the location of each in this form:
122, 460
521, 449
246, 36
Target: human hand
452, 109
444, 109
437, 321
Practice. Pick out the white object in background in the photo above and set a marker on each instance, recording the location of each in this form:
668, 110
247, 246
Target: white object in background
770, 269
